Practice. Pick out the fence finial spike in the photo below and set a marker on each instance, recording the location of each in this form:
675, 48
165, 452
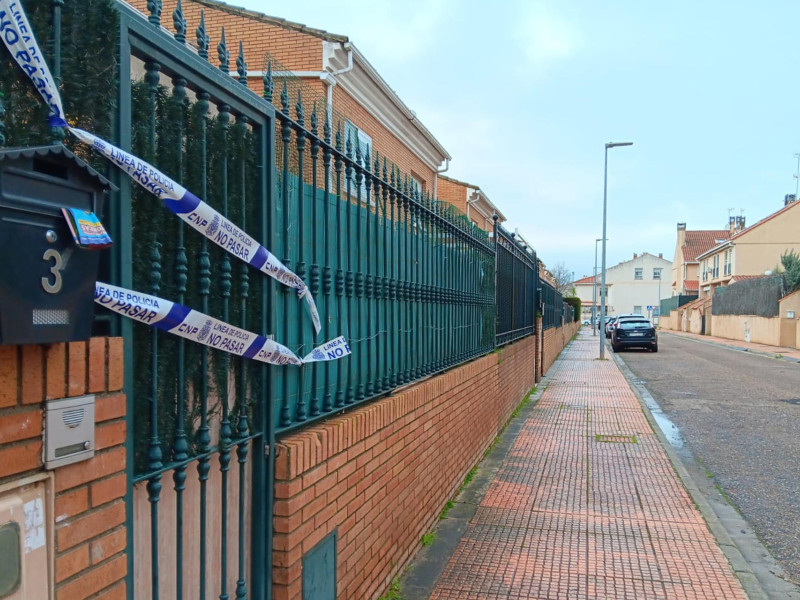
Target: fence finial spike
300, 109
223, 54
268, 83
202, 37
326, 129
285, 99
314, 118
241, 65
179, 21
154, 6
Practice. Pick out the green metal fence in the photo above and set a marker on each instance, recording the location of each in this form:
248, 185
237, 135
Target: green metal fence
516, 289
667, 305
555, 312
412, 284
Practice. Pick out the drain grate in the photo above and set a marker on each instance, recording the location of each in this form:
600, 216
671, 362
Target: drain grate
618, 439
795, 401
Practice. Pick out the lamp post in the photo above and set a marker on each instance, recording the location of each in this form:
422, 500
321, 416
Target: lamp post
603, 291
659, 296
594, 290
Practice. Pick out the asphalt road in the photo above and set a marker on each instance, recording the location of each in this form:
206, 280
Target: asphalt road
739, 415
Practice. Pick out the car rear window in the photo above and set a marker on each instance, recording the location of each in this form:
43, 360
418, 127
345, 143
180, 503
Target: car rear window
635, 325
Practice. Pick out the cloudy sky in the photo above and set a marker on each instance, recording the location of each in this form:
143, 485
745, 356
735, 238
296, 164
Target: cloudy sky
524, 95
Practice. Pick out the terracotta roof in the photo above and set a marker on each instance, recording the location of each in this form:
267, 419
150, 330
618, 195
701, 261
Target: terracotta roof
691, 285
744, 277
587, 279
700, 241
764, 220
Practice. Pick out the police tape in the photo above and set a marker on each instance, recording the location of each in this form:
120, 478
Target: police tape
18, 38
201, 217
203, 329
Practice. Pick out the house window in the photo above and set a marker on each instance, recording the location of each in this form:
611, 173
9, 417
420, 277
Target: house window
716, 266
637, 308
638, 273
656, 273
728, 260
353, 133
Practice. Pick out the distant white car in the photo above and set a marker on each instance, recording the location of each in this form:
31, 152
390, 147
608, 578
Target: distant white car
587, 322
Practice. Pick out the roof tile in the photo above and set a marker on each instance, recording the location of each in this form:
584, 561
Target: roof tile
697, 242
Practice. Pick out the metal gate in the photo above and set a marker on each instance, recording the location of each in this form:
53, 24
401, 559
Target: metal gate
199, 501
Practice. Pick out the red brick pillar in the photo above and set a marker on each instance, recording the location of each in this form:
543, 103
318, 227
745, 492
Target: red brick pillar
539, 349
89, 503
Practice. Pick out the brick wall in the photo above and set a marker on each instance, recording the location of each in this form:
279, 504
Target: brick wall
456, 193
554, 340
89, 502
453, 192
381, 475
288, 44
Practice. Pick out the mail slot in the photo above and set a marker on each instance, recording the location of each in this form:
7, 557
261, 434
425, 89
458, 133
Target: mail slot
46, 281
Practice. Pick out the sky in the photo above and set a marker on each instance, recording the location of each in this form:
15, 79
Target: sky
523, 94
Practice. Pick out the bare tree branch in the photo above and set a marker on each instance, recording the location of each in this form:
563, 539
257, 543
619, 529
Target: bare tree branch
563, 278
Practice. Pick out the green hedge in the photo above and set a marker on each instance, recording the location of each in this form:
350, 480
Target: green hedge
575, 303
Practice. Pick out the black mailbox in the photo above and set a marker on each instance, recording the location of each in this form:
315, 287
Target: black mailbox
46, 281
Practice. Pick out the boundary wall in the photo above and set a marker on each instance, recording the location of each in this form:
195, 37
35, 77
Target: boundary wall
378, 477
84, 513
774, 331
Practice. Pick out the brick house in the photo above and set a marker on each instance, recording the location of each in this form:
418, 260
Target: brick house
471, 201
332, 72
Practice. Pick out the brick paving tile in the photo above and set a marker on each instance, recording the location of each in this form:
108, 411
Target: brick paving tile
586, 505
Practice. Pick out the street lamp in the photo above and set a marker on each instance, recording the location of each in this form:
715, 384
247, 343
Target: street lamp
603, 291
660, 275
594, 290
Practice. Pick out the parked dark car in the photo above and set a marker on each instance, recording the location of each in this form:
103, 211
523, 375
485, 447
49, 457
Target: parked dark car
634, 333
610, 325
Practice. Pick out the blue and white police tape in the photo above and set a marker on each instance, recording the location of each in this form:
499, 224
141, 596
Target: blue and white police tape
203, 329
18, 38
21, 43
201, 217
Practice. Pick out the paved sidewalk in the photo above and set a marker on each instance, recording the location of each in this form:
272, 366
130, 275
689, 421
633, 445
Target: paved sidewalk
791, 354
586, 504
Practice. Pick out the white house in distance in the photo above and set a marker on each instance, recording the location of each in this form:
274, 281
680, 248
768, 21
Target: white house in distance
634, 286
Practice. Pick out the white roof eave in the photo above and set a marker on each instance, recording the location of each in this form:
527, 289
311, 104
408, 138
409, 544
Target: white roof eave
370, 90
